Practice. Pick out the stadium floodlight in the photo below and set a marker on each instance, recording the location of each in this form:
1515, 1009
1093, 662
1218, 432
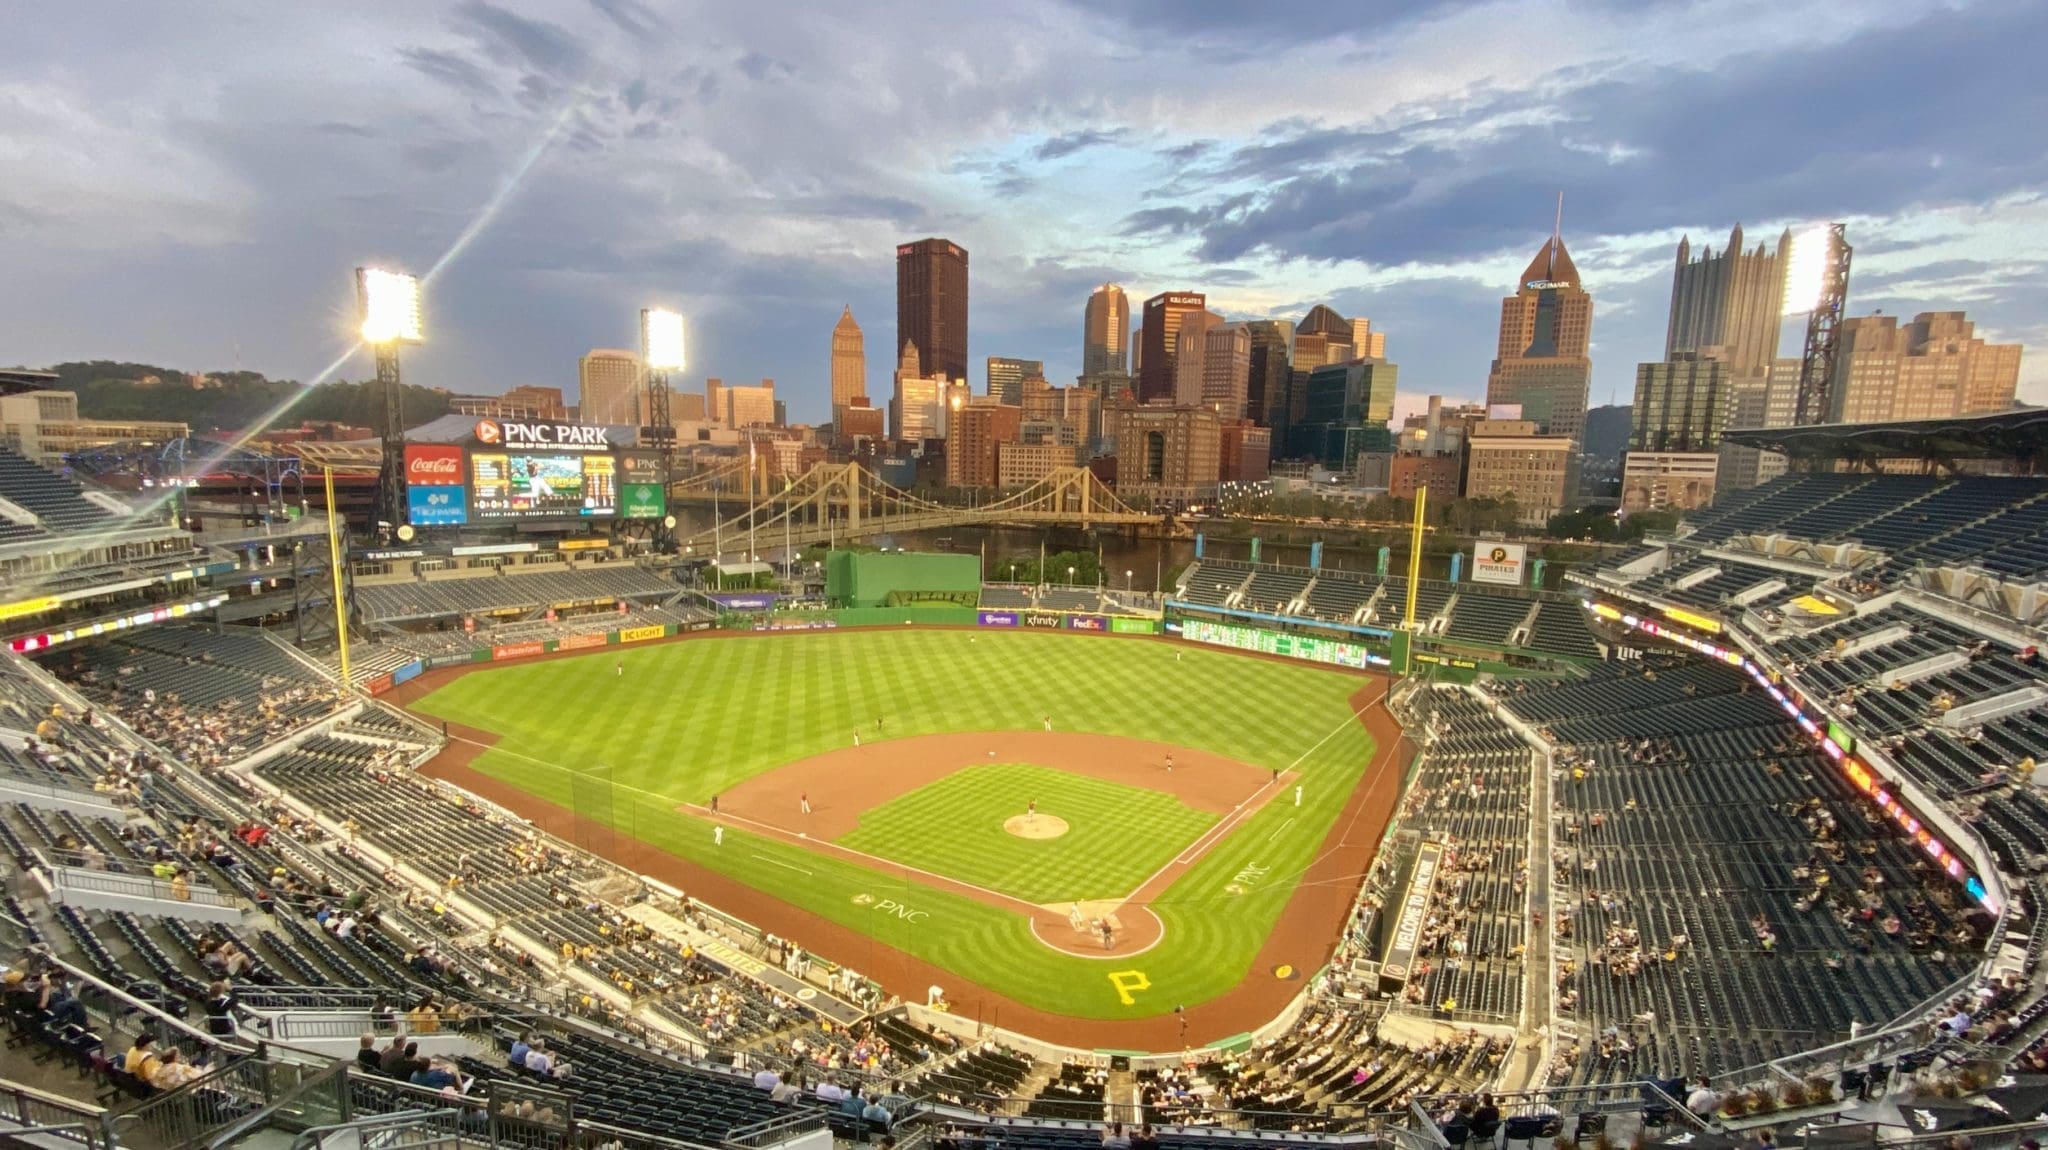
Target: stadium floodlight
390, 305
1806, 269
661, 339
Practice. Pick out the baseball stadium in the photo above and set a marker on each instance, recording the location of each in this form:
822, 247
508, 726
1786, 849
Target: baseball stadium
511, 829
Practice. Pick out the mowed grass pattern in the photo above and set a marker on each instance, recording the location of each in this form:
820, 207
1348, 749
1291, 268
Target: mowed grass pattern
1117, 836
689, 719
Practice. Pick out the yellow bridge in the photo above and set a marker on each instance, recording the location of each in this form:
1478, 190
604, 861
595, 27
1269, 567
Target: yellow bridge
844, 501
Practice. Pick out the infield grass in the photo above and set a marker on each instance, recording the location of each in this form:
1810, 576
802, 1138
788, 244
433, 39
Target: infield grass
689, 719
1117, 836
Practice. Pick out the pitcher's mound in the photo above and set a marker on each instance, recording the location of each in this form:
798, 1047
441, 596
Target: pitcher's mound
1035, 826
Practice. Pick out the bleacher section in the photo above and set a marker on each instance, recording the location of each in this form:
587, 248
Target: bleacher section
497, 594
1471, 793
1971, 521
1477, 614
1723, 894
58, 504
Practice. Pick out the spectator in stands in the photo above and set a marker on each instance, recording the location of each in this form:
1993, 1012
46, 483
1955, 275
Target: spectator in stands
366, 1054
874, 1115
141, 1059
1703, 1101
538, 1059
220, 1009
1114, 1138
174, 1071
521, 1047
767, 1079
55, 998
830, 1091
435, 1075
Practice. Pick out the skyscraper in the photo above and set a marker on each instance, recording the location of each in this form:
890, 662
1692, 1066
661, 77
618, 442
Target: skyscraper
913, 411
1933, 367
1226, 371
608, 387
849, 362
1191, 357
1106, 331
1268, 375
1682, 404
1729, 306
1006, 377
1367, 342
931, 304
1545, 330
1164, 314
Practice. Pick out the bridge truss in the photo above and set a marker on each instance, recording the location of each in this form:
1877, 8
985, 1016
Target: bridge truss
844, 501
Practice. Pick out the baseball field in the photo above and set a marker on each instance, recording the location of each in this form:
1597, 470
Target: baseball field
968, 806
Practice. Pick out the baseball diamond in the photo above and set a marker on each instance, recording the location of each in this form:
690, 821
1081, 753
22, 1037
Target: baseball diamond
880, 794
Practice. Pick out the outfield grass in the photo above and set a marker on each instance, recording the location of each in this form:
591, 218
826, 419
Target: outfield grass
1117, 836
689, 719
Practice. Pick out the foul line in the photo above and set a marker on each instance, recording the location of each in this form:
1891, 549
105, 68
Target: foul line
1201, 846
779, 862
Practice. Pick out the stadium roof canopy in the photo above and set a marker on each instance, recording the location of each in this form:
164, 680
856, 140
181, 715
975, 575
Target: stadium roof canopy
2020, 435
15, 380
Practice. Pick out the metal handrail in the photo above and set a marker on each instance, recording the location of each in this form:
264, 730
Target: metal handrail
50, 1114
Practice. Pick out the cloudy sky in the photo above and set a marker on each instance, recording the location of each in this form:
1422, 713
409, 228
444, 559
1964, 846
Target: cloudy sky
191, 183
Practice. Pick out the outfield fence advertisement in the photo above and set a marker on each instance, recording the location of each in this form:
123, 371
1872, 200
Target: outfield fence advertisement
1130, 625
1087, 623
640, 634
997, 618
1309, 647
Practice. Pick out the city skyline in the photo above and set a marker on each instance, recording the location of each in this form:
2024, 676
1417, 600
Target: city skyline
206, 214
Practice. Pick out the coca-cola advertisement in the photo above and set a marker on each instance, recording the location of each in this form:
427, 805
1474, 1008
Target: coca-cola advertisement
433, 465
434, 491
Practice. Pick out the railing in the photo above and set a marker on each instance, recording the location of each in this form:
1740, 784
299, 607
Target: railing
414, 1129
70, 871
59, 1117
204, 1106
781, 1128
1339, 1119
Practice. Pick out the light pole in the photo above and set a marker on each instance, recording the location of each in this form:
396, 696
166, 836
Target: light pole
1127, 581
390, 305
1070, 576
661, 350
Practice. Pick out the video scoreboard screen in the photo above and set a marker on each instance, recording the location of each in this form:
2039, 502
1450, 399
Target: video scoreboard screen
521, 485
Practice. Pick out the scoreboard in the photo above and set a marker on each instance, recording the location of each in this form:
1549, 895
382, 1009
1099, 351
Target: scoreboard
1313, 648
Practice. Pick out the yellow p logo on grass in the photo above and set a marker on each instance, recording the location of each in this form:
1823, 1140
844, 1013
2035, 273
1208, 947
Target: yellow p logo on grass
1127, 982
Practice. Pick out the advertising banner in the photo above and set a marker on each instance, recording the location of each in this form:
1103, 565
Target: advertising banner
1310, 647
796, 624
1403, 942
1125, 625
517, 651
640, 492
407, 673
639, 634
378, 685
760, 601
435, 507
1040, 619
998, 618
1087, 623
579, 642
1499, 563
434, 493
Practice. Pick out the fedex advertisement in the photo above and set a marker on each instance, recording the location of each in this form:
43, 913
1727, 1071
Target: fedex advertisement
434, 491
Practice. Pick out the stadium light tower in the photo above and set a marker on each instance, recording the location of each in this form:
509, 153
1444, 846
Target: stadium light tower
390, 305
1817, 283
661, 350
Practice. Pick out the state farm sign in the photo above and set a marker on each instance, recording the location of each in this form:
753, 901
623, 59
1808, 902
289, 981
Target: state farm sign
560, 436
433, 465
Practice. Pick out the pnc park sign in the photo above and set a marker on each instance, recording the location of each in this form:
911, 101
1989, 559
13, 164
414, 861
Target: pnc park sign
559, 436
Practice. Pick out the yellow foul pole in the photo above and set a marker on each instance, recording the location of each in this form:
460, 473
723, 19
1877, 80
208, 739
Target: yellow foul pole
1415, 555
336, 559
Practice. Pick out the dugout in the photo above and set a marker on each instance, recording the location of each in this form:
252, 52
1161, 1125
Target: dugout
901, 578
